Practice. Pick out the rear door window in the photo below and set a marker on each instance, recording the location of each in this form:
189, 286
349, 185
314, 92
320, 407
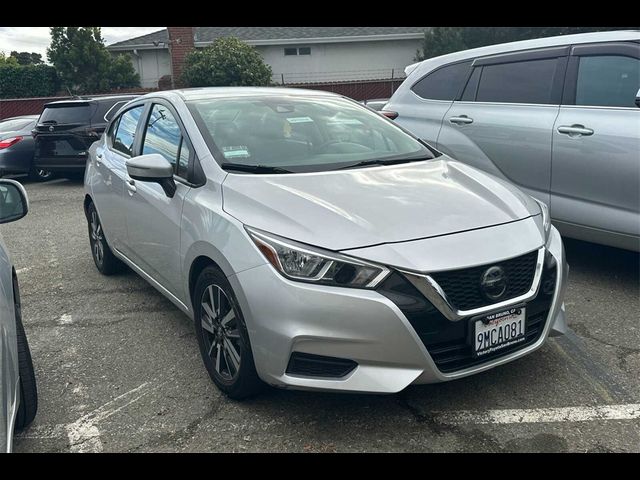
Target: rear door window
443, 83
518, 82
125, 132
608, 81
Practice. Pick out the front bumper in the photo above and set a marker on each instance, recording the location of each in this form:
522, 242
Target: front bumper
360, 325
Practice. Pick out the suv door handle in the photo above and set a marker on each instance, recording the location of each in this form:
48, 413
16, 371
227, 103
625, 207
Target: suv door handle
461, 120
131, 186
98, 158
575, 130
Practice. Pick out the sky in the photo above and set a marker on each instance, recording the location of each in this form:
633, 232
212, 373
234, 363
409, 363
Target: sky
36, 39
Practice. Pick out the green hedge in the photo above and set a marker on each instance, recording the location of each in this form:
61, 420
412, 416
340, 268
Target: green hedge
27, 81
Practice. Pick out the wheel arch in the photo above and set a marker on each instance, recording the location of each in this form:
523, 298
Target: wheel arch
85, 205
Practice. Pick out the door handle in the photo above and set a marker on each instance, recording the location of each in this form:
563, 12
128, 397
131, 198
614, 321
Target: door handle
131, 186
98, 158
461, 120
575, 130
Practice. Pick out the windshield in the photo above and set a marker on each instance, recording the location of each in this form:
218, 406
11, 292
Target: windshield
301, 134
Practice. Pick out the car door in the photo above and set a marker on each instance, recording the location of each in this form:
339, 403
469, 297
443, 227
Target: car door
109, 165
596, 145
154, 219
502, 120
422, 107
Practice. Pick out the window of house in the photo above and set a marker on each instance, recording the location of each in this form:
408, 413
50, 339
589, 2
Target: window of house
297, 51
517, 82
444, 83
608, 81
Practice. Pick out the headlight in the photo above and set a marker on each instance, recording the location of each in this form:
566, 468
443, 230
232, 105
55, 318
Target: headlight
546, 218
307, 264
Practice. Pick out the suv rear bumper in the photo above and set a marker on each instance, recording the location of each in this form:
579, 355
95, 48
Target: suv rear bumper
62, 164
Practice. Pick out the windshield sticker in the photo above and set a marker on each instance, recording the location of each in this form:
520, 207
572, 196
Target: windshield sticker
299, 120
240, 151
346, 121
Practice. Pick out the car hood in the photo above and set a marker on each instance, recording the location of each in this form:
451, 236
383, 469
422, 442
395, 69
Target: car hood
354, 208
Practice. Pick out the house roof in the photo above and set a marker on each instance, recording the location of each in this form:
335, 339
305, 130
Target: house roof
277, 35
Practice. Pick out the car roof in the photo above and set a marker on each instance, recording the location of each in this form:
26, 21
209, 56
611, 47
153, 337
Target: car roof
560, 40
87, 100
187, 94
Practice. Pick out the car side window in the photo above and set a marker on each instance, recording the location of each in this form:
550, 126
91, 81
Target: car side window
163, 136
443, 83
469, 94
608, 81
125, 131
518, 82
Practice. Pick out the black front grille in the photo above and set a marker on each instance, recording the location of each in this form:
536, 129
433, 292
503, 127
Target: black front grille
463, 289
309, 365
450, 343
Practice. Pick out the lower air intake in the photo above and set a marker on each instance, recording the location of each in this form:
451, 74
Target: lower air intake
308, 365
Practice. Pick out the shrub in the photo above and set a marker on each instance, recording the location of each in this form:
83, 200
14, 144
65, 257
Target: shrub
226, 62
20, 81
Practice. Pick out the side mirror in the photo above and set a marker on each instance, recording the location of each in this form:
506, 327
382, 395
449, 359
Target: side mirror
153, 168
14, 203
638, 99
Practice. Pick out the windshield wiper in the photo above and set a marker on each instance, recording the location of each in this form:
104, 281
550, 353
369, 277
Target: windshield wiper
47, 122
241, 167
382, 161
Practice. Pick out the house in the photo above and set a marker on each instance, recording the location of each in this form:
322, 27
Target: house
297, 55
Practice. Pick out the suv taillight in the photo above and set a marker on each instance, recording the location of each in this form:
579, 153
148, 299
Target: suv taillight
7, 142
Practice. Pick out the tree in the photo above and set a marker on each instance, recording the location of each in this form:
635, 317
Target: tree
4, 60
226, 62
443, 40
27, 58
122, 74
84, 64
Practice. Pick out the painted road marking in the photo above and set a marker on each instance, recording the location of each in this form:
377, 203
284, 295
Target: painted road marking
84, 435
542, 415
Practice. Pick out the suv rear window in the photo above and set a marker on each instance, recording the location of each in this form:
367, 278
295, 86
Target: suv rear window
67, 114
443, 83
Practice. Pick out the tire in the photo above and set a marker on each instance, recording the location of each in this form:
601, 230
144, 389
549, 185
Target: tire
39, 175
106, 262
28, 389
225, 337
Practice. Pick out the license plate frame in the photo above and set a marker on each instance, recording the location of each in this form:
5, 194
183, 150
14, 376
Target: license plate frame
497, 321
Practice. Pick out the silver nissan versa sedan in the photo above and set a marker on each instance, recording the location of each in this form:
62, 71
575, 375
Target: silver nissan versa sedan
318, 245
18, 393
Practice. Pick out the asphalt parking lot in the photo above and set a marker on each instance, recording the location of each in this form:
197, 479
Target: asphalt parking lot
118, 368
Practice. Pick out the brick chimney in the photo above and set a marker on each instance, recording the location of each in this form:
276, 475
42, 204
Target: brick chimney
181, 42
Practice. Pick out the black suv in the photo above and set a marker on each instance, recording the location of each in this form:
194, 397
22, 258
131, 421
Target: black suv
67, 128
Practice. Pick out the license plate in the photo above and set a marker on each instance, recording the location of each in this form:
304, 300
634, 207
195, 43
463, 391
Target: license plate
499, 330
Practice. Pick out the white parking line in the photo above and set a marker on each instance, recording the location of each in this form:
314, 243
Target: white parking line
542, 415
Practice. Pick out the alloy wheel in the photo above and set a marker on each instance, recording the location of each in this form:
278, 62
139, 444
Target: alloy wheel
97, 238
221, 332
